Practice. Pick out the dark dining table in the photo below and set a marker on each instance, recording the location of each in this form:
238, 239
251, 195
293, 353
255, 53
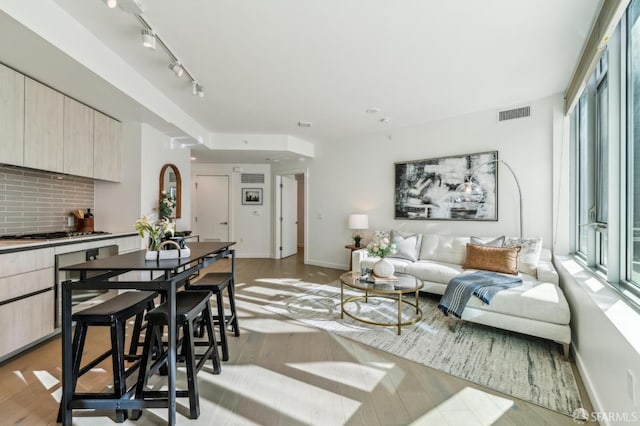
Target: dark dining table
104, 274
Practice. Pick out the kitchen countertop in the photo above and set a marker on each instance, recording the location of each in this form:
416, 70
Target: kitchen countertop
10, 246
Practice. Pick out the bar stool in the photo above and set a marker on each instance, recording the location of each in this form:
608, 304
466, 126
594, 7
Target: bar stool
216, 282
113, 313
189, 306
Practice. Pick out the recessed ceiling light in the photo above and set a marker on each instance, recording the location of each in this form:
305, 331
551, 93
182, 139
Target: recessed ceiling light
372, 110
304, 124
193, 158
111, 3
385, 120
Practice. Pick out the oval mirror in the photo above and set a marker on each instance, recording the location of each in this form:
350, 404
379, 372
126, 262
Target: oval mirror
171, 184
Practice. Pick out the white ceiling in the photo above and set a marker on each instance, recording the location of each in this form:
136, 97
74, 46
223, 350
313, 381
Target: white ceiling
265, 65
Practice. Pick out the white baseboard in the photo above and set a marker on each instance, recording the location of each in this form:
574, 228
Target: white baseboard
588, 384
342, 266
253, 255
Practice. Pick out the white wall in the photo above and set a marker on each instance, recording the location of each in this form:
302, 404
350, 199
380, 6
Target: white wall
117, 205
605, 341
144, 151
356, 175
249, 225
300, 182
158, 150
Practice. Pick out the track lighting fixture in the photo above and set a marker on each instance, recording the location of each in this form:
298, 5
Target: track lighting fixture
176, 67
197, 90
148, 38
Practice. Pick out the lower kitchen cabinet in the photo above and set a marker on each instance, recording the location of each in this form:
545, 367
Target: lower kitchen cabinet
25, 321
28, 283
26, 304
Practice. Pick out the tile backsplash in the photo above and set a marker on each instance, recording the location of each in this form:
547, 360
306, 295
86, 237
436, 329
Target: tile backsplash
33, 200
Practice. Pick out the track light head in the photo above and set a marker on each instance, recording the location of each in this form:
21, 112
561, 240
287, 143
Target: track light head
197, 90
177, 68
148, 38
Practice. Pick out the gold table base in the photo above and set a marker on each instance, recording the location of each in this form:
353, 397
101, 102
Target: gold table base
399, 299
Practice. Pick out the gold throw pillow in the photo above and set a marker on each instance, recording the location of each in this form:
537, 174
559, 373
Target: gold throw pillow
497, 259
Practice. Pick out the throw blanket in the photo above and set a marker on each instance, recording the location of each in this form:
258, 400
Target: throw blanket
482, 284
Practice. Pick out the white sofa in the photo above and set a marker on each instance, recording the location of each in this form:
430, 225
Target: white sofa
538, 307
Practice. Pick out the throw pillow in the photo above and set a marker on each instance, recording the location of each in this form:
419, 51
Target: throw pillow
496, 259
488, 242
529, 255
407, 245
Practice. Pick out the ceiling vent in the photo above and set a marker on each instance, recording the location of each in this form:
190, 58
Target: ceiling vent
252, 178
512, 114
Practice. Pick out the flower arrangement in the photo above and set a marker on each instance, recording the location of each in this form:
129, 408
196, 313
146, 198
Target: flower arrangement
167, 205
380, 245
155, 230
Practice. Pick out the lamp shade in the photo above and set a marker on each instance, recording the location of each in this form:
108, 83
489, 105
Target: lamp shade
358, 221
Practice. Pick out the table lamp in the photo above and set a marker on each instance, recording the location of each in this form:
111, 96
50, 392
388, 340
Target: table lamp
358, 222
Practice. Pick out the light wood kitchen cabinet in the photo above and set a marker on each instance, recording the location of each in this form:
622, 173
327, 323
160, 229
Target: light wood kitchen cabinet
43, 127
27, 298
78, 138
107, 141
11, 116
25, 321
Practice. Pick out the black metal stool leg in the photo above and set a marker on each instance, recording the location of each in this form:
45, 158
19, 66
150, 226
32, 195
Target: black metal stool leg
208, 323
117, 361
232, 306
222, 326
190, 361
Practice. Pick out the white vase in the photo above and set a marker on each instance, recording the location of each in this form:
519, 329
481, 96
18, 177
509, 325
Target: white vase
383, 268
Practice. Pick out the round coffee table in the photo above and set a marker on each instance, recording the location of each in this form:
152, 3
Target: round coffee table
384, 290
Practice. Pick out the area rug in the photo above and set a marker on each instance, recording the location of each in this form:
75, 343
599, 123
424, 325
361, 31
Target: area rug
524, 367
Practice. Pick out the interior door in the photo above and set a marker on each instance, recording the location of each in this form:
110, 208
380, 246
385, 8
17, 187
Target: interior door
212, 208
289, 222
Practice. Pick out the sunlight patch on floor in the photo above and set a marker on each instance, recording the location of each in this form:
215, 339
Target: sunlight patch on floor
266, 291
296, 400
351, 374
47, 380
469, 407
282, 281
364, 355
20, 376
276, 326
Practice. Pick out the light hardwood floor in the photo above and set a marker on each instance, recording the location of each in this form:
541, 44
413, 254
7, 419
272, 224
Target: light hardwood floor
281, 372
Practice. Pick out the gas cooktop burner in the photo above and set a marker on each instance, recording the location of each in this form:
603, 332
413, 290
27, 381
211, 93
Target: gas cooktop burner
49, 235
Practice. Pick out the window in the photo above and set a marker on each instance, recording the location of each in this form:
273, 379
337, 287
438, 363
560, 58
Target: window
606, 137
592, 170
633, 145
601, 162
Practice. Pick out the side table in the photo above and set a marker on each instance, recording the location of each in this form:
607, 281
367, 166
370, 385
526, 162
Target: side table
351, 248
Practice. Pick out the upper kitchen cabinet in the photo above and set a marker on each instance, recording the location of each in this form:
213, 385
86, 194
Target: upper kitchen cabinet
43, 127
106, 148
78, 138
11, 116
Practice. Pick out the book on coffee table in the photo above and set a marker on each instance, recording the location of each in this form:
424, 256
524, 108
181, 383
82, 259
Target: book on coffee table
379, 280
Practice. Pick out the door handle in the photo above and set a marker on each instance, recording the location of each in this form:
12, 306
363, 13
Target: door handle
224, 223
